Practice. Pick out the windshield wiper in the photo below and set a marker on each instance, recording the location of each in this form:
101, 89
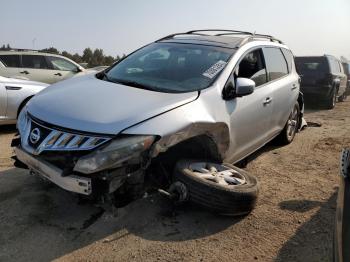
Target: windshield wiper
133, 84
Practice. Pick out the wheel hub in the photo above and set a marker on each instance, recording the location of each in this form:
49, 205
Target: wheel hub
218, 174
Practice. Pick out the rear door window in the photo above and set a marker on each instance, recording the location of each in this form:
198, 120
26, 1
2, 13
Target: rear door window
10, 60
276, 64
34, 61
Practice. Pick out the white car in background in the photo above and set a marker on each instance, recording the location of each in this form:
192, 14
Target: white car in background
14, 94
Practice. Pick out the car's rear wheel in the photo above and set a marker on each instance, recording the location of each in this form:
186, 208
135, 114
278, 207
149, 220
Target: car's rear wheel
220, 188
291, 128
342, 98
332, 100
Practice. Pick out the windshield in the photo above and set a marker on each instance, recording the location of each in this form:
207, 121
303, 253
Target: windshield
171, 67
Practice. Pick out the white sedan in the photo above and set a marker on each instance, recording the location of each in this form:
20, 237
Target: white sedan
14, 94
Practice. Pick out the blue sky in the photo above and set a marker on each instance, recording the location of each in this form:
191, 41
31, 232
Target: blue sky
308, 27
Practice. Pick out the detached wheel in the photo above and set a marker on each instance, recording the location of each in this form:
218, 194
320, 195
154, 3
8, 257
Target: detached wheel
221, 188
291, 128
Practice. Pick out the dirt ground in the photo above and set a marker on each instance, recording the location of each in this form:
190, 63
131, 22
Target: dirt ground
293, 219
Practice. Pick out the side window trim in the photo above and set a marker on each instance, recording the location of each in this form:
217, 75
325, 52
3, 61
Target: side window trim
242, 57
50, 65
267, 69
43, 57
285, 53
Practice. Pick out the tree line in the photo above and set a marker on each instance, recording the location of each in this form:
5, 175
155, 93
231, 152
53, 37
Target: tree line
89, 57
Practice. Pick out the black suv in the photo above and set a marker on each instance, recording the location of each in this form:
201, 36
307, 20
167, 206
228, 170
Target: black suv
322, 78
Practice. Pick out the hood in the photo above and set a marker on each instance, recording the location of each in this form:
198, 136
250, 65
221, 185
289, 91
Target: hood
92, 105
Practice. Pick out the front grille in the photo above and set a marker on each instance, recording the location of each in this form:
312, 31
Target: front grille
37, 138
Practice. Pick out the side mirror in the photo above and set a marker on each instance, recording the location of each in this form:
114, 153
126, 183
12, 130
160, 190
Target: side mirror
78, 70
244, 86
241, 87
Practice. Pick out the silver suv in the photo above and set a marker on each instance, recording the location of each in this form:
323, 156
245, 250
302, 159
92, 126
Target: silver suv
37, 66
212, 95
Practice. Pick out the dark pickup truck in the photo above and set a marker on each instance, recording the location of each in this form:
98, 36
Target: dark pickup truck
322, 78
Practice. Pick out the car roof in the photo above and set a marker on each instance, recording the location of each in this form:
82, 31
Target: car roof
28, 52
218, 37
316, 56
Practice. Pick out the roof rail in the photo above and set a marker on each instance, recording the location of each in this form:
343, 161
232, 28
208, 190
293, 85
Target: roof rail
219, 30
250, 36
20, 50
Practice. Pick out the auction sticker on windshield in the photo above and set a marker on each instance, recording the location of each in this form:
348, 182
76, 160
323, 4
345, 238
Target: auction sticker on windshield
215, 69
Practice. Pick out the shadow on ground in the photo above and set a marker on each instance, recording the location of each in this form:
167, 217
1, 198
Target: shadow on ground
8, 129
40, 222
314, 238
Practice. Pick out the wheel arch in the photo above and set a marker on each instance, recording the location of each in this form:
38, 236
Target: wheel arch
23, 103
301, 107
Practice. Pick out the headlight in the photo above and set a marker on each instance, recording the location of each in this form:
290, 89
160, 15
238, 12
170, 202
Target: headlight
22, 121
113, 154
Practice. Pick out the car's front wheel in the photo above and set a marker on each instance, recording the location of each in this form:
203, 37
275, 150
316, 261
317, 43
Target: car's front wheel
220, 188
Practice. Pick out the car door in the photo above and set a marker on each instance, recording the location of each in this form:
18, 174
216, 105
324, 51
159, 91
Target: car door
10, 65
35, 68
284, 85
250, 116
3, 100
62, 68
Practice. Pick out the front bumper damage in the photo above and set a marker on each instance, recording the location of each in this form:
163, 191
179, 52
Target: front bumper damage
73, 183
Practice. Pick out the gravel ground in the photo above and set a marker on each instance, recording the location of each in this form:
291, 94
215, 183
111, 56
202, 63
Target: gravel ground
293, 219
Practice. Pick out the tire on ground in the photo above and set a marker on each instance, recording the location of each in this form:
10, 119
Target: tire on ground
225, 200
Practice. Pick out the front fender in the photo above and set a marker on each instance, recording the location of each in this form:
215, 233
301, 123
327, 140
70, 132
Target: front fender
181, 124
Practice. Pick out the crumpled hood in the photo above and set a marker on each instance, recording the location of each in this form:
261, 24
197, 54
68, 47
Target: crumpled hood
92, 105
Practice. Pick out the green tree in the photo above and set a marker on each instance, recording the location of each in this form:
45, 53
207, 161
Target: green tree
77, 58
87, 55
66, 54
50, 50
109, 60
97, 58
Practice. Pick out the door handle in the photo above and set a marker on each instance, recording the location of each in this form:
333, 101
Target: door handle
25, 72
58, 74
294, 86
267, 101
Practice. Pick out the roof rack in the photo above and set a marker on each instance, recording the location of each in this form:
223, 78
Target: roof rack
20, 50
250, 36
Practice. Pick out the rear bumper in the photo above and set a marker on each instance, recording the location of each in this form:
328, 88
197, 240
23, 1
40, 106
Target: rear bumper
73, 183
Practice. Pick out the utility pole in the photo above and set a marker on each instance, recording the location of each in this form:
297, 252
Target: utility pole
33, 42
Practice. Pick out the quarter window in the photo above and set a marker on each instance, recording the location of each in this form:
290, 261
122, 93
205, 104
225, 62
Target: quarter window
253, 67
289, 57
275, 62
10, 60
34, 61
334, 65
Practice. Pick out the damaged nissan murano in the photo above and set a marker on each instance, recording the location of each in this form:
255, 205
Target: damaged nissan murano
167, 118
